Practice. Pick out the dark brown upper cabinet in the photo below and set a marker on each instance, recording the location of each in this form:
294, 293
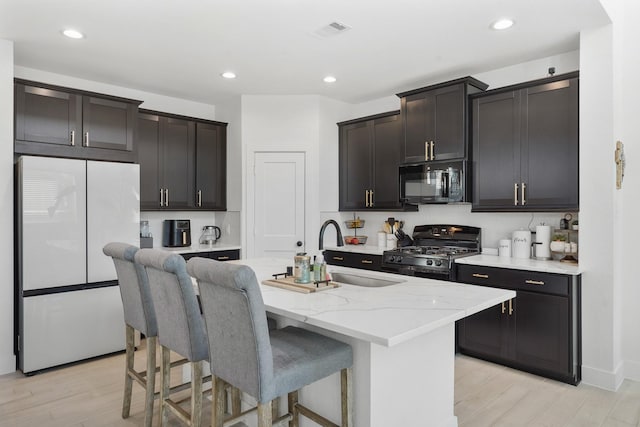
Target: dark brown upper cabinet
525, 147
211, 166
369, 155
62, 122
434, 120
182, 162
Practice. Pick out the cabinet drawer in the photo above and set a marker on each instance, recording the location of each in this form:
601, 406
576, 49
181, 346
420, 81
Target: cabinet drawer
225, 255
354, 260
533, 281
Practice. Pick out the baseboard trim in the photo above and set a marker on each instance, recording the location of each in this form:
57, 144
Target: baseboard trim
608, 380
632, 370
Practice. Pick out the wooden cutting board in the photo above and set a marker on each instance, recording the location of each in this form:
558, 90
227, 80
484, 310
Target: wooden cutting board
307, 288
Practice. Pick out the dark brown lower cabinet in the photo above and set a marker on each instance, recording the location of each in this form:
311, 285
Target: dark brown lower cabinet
353, 260
538, 331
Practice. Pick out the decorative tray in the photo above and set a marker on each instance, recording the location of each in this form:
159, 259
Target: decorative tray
306, 288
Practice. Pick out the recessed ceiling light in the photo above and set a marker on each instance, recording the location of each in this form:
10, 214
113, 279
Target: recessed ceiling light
329, 79
502, 24
228, 75
73, 34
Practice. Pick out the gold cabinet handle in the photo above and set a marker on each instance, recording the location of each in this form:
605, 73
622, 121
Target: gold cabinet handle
515, 194
86, 139
166, 197
370, 198
72, 142
338, 258
510, 307
503, 308
366, 261
366, 198
426, 150
199, 194
223, 258
523, 201
161, 197
480, 276
432, 156
534, 282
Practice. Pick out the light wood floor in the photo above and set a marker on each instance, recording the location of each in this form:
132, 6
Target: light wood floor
90, 394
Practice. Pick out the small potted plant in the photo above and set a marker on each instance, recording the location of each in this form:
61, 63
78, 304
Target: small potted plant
557, 243
574, 225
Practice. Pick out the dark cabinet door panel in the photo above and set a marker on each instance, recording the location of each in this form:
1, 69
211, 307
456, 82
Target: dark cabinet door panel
177, 159
484, 333
355, 165
550, 145
496, 150
386, 181
47, 116
419, 125
354, 260
107, 123
449, 138
211, 171
148, 142
541, 336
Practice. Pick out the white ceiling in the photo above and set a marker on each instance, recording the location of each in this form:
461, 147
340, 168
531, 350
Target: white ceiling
179, 47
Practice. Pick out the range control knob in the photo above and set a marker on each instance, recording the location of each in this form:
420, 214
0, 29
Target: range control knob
429, 262
439, 262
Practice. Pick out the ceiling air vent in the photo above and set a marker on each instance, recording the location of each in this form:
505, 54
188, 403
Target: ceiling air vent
332, 29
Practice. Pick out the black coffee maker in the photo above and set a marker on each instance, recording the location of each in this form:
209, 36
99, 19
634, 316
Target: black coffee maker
176, 233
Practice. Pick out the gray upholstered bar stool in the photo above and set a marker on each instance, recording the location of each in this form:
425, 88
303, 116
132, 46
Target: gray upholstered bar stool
138, 315
264, 364
180, 327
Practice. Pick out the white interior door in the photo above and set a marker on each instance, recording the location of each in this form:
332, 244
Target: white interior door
278, 209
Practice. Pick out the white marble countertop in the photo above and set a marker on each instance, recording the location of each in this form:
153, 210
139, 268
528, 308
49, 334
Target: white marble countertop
521, 264
200, 248
387, 315
358, 249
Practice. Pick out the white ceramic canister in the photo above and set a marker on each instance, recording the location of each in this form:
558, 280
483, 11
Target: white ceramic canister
382, 240
504, 248
521, 244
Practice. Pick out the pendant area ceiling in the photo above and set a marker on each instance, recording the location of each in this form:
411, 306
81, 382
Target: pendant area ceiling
180, 47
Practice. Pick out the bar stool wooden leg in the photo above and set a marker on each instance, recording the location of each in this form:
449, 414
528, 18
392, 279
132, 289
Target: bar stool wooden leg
128, 381
196, 394
218, 399
235, 402
346, 387
293, 409
264, 414
150, 384
165, 373
275, 408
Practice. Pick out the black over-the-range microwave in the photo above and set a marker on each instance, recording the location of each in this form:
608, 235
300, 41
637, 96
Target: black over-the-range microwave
433, 182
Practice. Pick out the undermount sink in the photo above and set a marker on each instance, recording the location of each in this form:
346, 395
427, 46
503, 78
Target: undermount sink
369, 282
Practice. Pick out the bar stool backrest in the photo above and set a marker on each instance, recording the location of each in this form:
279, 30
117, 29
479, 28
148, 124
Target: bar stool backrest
236, 323
133, 282
180, 323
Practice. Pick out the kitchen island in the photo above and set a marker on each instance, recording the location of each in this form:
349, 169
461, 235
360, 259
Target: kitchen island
402, 337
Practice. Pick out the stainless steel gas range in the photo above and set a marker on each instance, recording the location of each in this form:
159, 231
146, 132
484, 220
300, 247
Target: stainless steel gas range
434, 249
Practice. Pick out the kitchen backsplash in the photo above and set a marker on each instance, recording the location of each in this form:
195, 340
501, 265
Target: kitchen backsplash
495, 226
229, 223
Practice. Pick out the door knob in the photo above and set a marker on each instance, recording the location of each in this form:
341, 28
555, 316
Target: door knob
298, 243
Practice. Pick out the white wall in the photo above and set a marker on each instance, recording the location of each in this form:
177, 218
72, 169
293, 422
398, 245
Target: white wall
7, 359
284, 123
627, 63
600, 344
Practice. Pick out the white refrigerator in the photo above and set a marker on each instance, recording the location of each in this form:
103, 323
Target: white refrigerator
68, 301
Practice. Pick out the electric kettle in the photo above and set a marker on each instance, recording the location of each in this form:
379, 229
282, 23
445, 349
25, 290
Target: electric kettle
210, 235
